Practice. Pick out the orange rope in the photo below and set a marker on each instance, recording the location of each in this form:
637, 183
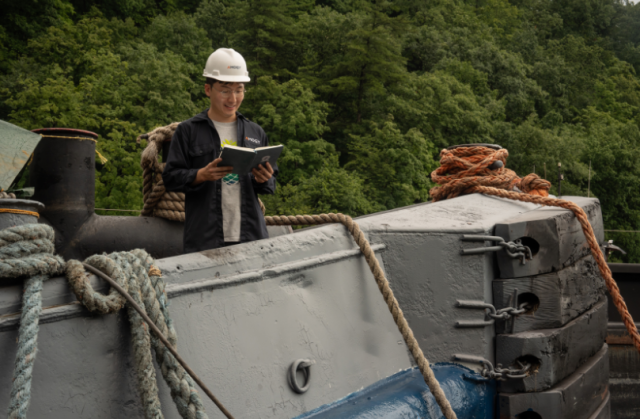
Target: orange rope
19, 211
465, 167
475, 161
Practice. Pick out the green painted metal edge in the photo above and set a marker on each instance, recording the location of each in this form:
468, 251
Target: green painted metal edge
16, 146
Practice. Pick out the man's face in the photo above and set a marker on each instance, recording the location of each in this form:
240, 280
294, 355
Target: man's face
225, 99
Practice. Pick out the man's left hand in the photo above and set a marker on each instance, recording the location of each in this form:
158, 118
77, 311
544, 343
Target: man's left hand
263, 172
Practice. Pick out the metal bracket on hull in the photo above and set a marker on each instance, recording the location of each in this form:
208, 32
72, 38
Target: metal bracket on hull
515, 249
492, 315
497, 372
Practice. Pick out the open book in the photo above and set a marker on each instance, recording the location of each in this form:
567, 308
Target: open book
243, 159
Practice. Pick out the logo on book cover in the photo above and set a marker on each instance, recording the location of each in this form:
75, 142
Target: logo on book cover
265, 158
253, 140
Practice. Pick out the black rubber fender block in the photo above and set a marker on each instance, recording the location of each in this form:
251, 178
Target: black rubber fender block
556, 298
582, 395
557, 352
553, 234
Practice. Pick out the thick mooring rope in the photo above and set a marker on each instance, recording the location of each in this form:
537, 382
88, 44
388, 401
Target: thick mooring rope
27, 251
157, 201
464, 167
484, 180
385, 289
131, 271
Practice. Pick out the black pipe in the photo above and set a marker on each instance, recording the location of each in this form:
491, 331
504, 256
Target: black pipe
63, 175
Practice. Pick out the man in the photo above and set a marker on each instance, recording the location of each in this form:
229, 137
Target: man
221, 208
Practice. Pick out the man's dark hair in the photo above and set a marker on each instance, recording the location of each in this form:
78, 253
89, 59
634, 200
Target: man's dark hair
211, 82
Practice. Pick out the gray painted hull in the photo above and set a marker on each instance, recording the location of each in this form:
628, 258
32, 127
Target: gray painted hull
243, 314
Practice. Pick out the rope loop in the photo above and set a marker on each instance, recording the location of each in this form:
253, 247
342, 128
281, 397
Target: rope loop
533, 184
132, 271
84, 291
27, 251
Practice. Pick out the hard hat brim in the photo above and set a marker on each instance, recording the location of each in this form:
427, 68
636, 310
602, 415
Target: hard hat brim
227, 78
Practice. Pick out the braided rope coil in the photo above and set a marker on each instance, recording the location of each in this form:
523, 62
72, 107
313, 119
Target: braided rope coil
27, 251
157, 201
465, 167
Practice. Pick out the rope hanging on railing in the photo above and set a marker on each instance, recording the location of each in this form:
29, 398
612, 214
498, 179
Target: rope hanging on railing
467, 170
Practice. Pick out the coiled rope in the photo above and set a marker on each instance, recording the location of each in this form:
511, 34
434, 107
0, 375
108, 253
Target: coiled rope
27, 251
465, 167
385, 289
157, 201
466, 170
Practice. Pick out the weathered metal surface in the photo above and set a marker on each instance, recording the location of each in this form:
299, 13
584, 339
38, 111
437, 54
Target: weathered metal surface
561, 296
405, 395
558, 351
604, 411
9, 219
262, 305
16, 146
582, 395
627, 276
554, 236
244, 313
617, 333
428, 274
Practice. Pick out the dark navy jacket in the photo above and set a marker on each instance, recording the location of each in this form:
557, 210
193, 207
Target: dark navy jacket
195, 144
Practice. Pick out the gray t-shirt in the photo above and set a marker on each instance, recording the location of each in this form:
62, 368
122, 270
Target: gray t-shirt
228, 132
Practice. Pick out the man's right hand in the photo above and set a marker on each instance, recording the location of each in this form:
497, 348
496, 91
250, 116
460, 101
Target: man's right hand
212, 172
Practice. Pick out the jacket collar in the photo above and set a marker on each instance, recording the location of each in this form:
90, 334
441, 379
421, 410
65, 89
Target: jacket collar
203, 116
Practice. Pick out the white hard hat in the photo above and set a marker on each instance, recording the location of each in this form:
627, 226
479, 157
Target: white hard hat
225, 64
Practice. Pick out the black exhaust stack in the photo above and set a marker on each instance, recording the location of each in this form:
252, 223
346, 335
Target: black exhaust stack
63, 175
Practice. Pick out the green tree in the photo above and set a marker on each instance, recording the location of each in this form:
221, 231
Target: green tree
395, 166
266, 35
81, 78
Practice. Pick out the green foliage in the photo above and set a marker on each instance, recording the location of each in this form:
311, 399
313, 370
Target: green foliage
395, 166
210, 16
93, 75
363, 93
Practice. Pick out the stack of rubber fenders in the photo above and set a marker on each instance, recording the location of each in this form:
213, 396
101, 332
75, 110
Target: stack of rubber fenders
549, 304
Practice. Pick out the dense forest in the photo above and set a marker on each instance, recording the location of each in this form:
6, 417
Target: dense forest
363, 94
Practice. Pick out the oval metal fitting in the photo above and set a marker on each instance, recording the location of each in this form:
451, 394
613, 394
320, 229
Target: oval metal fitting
303, 365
